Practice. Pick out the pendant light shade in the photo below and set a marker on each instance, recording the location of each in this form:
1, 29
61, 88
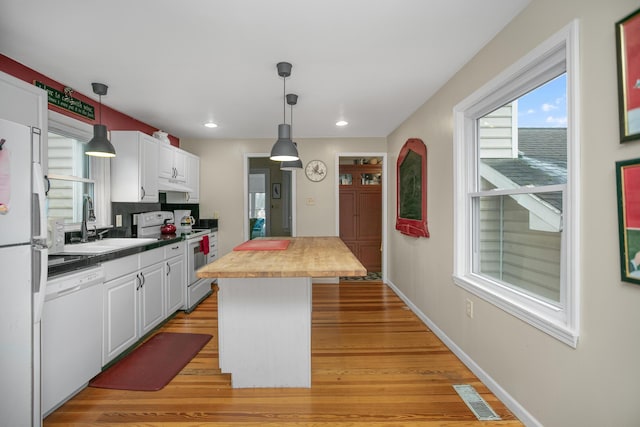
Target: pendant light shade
292, 99
100, 146
284, 150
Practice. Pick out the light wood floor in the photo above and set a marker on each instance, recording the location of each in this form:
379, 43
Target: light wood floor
374, 363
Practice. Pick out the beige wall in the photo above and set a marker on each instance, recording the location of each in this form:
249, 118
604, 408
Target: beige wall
221, 182
596, 383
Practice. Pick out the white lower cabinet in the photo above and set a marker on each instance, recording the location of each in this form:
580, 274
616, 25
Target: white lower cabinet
175, 277
151, 298
136, 297
120, 310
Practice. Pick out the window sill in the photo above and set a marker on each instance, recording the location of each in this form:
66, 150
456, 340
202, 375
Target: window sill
545, 317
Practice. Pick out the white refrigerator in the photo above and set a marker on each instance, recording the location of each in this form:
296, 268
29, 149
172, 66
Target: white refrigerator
23, 272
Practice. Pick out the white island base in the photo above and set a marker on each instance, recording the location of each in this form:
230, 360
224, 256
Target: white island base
264, 328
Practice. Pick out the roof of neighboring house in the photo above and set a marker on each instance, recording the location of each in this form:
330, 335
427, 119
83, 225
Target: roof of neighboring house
542, 160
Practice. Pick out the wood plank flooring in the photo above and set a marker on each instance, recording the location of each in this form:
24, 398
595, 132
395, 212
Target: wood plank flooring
374, 363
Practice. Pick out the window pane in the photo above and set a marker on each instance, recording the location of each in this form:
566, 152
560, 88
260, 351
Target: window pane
524, 143
519, 241
66, 156
65, 199
66, 160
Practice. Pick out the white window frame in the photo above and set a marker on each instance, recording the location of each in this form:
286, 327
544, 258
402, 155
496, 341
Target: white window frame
100, 168
558, 320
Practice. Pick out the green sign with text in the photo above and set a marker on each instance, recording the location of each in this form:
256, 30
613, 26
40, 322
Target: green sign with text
66, 101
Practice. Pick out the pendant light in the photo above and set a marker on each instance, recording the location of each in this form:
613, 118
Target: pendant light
100, 146
291, 165
284, 150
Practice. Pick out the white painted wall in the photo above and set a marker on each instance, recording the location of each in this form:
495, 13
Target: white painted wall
596, 383
221, 182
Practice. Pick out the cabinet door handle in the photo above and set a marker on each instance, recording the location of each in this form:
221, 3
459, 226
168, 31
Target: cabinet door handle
139, 282
144, 279
144, 193
168, 269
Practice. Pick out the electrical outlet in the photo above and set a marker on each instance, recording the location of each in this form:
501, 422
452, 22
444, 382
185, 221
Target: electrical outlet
469, 308
118, 220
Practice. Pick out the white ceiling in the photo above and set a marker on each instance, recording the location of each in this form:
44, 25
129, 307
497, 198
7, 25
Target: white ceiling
177, 64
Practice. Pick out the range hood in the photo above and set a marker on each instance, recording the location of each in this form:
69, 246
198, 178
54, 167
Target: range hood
166, 185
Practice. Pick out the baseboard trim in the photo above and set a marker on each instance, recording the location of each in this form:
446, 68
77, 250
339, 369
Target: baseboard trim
513, 405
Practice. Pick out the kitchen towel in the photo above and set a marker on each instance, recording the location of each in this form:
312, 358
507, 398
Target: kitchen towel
204, 244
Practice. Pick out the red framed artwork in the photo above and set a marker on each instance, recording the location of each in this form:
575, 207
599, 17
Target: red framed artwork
411, 181
628, 183
628, 51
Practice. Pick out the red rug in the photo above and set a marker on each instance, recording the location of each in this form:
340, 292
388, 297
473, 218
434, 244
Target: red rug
152, 365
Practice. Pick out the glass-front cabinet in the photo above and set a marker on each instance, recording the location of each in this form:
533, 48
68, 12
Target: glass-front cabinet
360, 175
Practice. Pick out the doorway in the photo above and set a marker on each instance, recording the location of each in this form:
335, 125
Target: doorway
361, 207
269, 198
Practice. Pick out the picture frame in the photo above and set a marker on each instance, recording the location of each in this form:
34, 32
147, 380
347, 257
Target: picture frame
628, 190
628, 62
275, 191
411, 186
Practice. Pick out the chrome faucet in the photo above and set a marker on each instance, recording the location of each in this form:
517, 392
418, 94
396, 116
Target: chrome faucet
87, 215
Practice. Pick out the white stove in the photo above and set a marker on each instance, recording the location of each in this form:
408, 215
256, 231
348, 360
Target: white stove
149, 223
196, 256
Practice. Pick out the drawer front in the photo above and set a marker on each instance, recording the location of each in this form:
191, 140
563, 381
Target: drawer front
120, 267
151, 257
174, 249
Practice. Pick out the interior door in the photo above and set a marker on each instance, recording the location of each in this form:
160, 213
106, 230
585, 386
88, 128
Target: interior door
259, 203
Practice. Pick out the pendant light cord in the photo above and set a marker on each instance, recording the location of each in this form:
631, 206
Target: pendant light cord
284, 100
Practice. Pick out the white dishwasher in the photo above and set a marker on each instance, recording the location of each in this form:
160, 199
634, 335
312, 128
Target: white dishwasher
71, 335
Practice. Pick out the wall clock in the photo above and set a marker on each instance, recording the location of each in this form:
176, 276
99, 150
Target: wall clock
316, 170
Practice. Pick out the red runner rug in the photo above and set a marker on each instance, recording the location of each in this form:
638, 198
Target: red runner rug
152, 365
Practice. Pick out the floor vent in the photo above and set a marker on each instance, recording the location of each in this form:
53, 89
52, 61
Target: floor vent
476, 403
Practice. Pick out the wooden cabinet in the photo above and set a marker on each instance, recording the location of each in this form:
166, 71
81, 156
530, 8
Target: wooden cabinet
361, 213
134, 170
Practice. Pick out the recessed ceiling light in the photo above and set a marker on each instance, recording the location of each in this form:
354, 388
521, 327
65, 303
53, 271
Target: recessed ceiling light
341, 123
211, 125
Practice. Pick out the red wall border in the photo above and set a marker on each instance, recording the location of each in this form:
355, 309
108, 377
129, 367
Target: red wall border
113, 119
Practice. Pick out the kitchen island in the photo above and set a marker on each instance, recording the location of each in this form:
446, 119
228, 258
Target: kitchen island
264, 308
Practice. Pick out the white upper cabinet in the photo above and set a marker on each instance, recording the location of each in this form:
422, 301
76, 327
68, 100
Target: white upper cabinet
134, 170
193, 183
193, 178
172, 164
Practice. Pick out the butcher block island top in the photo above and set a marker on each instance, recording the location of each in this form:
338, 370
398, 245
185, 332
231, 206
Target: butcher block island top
304, 257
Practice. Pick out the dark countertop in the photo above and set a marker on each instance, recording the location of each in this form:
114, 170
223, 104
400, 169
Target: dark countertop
60, 263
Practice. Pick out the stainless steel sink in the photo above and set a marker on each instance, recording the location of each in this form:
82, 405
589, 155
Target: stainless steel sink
104, 246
